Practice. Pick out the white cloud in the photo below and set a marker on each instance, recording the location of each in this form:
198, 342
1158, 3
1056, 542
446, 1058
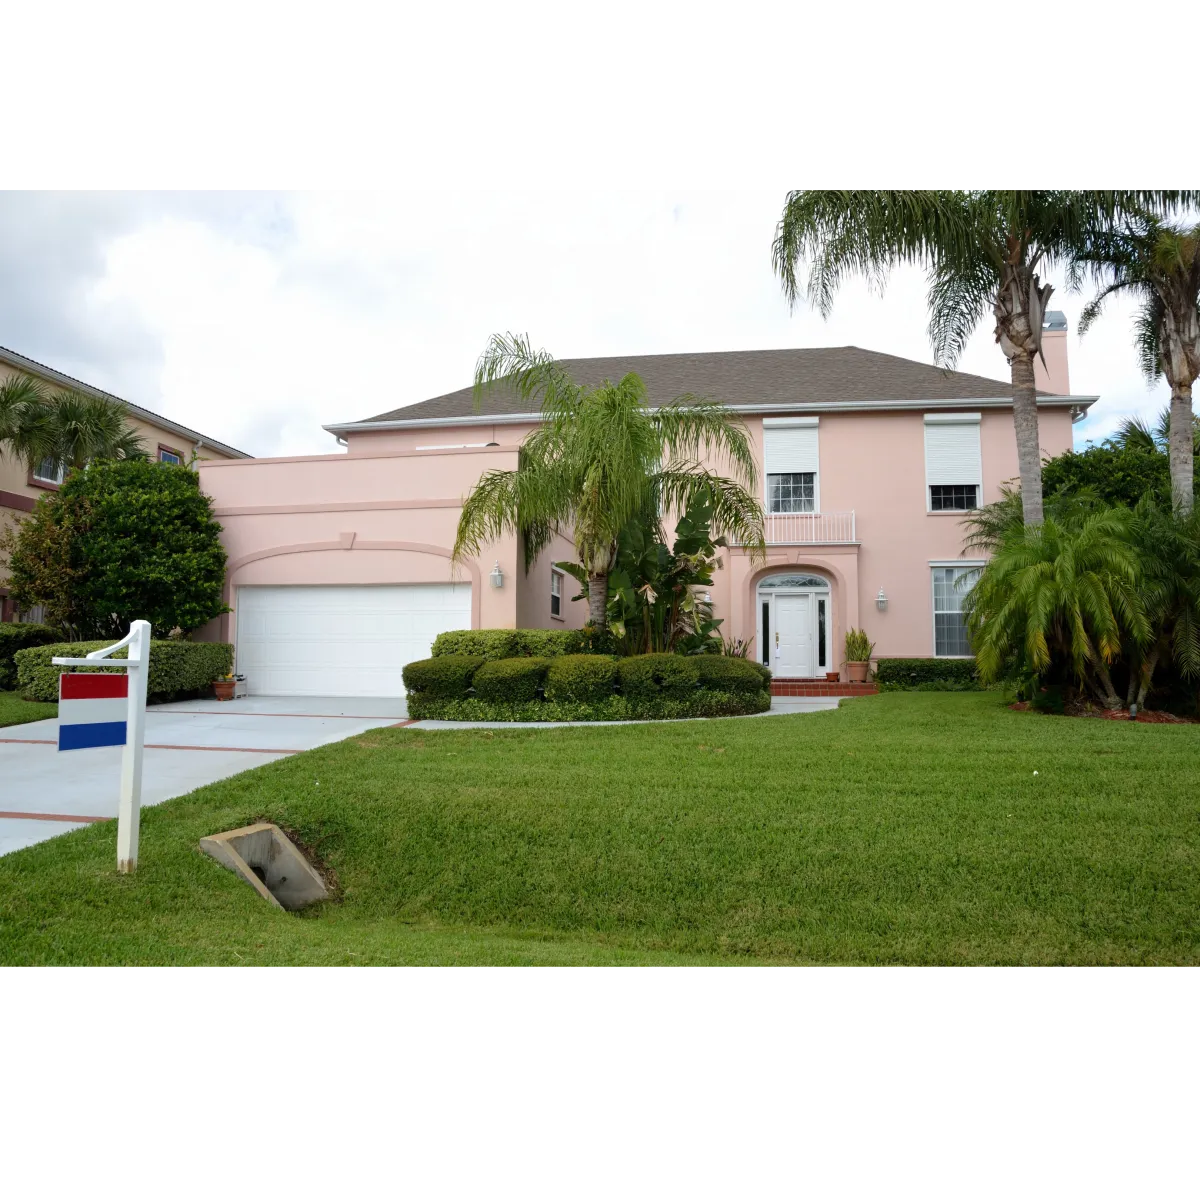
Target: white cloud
272, 317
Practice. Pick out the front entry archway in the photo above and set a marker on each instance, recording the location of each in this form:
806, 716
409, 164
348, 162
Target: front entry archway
794, 627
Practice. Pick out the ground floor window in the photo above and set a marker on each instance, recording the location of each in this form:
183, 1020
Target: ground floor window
556, 593
950, 586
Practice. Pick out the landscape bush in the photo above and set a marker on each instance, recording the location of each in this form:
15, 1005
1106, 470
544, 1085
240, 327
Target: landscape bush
510, 680
447, 677
514, 643
900, 674
581, 678
719, 673
658, 675
177, 668
701, 703
14, 637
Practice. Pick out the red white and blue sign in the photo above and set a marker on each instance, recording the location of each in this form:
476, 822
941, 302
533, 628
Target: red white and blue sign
92, 710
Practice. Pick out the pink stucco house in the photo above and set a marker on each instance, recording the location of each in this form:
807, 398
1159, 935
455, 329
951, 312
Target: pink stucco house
339, 564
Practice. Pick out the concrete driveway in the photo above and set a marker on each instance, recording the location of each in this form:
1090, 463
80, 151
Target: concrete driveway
43, 792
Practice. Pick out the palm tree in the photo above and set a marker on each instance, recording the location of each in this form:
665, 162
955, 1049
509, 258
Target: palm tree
64, 429
983, 250
601, 457
1063, 592
1158, 264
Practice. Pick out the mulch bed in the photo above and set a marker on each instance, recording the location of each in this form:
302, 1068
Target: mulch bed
1144, 717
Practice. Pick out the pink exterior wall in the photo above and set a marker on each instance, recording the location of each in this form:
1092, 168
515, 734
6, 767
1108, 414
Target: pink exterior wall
441, 435
1054, 376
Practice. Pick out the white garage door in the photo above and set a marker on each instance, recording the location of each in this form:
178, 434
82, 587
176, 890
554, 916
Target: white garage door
341, 641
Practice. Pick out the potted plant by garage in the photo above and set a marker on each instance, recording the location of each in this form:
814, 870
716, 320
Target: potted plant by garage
859, 649
224, 686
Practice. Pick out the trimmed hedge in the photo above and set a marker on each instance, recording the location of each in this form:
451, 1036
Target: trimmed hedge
904, 673
445, 678
581, 678
14, 637
510, 680
612, 708
721, 673
658, 675
176, 667
523, 643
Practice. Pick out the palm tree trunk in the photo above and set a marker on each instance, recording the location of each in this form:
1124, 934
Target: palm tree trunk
598, 599
1147, 675
1111, 699
1181, 446
1029, 451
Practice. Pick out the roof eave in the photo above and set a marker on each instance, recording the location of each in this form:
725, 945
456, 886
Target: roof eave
1047, 401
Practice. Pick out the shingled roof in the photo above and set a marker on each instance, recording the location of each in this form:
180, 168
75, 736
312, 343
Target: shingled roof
743, 378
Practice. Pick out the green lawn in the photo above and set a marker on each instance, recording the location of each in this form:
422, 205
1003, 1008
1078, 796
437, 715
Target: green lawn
15, 711
904, 828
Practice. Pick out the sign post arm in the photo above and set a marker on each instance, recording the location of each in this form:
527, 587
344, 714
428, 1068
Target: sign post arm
130, 804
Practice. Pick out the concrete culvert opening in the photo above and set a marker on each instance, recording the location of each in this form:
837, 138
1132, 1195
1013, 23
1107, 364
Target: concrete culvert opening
268, 861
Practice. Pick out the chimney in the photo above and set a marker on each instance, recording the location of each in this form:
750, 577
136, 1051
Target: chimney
1053, 376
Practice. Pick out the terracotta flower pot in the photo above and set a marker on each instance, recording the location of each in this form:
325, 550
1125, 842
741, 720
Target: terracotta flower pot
223, 689
857, 671
832, 677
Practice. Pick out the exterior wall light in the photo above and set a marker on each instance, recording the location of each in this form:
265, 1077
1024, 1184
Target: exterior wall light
497, 576
881, 601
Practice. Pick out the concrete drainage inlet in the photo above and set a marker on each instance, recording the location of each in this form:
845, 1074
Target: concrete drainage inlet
267, 860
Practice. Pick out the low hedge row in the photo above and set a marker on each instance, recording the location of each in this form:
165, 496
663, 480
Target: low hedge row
523, 643
701, 703
176, 667
14, 637
894, 674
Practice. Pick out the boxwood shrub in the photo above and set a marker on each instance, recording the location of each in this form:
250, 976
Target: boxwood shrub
893, 674
722, 673
581, 678
14, 637
177, 668
658, 675
447, 677
510, 680
701, 703
515, 643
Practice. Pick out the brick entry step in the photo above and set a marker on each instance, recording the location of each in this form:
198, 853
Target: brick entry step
820, 687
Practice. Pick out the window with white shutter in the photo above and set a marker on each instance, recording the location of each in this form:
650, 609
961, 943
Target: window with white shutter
953, 462
791, 465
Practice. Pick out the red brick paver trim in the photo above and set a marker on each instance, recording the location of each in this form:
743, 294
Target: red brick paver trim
23, 816
820, 687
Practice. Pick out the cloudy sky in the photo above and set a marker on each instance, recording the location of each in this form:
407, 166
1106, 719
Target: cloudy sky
257, 317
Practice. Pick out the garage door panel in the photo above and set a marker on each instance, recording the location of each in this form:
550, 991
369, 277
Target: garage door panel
341, 641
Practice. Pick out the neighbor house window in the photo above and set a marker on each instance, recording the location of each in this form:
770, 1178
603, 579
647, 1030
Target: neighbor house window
950, 586
791, 464
48, 471
953, 462
167, 455
556, 578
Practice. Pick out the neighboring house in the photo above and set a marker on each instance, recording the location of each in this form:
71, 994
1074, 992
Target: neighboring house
20, 487
340, 567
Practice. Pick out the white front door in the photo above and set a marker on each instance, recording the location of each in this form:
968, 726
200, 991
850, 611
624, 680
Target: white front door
794, 637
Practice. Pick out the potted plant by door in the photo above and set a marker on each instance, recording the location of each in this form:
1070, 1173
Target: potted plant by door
859, 649
224, 687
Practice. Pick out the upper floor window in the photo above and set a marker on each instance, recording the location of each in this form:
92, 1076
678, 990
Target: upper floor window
556, 578
48, 471
791, 465
953, 462
167, 455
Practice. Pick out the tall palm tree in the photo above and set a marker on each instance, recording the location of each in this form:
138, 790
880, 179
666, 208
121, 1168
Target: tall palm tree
1065, 591
65, 429
1159, 265
601, 457
983, 251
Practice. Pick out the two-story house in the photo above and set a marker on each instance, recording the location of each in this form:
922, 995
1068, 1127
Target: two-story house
165, 440
340, 564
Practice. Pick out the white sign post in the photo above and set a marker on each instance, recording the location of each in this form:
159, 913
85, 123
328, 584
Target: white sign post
136, 668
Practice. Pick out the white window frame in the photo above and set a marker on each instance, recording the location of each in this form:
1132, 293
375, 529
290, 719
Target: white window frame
62, 474
556, 581
965, 564
791, 423
965, 418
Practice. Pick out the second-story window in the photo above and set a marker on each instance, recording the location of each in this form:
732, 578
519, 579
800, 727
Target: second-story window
48, 471
953, 462
792, 493
791, 465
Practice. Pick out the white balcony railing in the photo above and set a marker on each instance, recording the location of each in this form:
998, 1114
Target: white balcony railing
791, 529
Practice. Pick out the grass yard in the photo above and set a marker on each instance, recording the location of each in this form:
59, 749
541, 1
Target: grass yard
904, 828
15, 711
